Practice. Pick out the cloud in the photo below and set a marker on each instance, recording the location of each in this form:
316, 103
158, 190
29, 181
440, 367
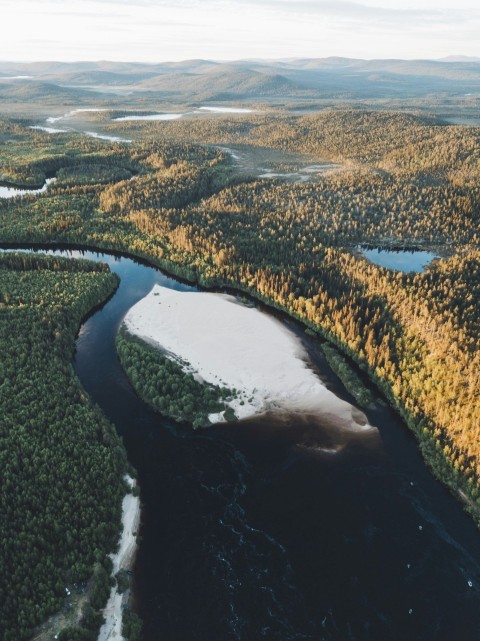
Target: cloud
156, 30
345, 10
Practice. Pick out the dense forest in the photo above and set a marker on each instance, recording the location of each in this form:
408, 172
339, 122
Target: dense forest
168, 386
61, 461
349, 377
403, 181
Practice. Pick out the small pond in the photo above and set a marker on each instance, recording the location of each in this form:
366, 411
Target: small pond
405, 260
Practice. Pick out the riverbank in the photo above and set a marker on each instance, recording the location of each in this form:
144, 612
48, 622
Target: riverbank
170, 460
123, 559
12, 190
434, 457
45, 299
222, 342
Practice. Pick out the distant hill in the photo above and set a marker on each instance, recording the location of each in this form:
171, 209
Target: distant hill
289, 78
460, 59
226, 84
98, 77
44, 92
448, 70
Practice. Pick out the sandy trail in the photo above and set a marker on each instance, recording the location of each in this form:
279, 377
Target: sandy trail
122, 560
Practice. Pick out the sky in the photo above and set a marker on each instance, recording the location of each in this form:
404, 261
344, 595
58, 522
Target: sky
160, 30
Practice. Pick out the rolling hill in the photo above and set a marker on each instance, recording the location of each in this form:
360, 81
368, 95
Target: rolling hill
192, 80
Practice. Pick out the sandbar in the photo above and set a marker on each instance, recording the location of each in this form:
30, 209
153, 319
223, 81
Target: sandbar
239, 347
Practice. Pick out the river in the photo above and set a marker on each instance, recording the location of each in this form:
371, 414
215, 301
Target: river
250, 531
9, 191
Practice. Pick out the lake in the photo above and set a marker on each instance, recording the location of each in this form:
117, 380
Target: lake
405, 260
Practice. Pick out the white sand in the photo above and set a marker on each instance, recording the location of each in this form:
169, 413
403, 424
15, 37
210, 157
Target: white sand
239, 347
122, 560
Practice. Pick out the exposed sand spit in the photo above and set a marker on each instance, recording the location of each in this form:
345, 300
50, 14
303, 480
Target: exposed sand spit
122, 560
242, 348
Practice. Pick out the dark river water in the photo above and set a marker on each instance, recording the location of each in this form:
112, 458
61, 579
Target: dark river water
252, 531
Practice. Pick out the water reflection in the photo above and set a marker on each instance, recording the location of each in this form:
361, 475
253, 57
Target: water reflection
12, 192
406, 260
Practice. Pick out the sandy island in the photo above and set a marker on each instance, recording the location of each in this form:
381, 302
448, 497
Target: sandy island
122, 560
229, 344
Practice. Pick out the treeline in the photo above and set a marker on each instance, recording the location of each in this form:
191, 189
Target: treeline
91, 174
90, 618
26, 261
167, 386
395, 142
61, 461
291, 245
346, 209
172, 187
31, 155
349, 377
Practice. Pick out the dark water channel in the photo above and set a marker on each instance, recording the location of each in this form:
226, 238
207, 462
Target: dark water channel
253, 532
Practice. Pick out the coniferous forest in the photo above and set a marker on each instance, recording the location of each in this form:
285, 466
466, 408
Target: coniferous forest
176, 199
164, 384
61, 460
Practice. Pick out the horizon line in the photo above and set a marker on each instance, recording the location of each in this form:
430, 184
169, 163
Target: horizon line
448, 58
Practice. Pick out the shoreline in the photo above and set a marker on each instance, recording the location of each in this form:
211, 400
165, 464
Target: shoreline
122, 559
204, 284
218, 340
273, 308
